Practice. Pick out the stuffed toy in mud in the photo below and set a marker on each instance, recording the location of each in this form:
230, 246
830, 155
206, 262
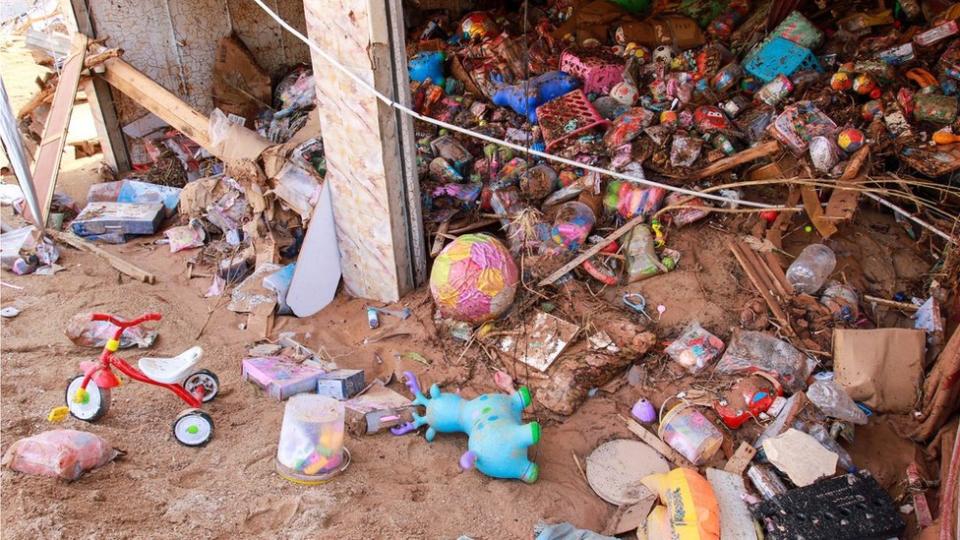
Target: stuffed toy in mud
498, 440
525, 96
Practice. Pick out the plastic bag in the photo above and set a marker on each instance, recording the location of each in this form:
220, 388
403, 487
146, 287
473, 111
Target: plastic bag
750, 349
642, 261
63, 453
186, 236
695, 348
691, 511
833, 400
86, 333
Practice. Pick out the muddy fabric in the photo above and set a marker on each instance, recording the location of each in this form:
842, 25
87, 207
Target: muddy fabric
882, 368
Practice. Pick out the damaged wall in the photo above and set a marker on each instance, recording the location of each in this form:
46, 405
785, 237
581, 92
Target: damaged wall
174, 41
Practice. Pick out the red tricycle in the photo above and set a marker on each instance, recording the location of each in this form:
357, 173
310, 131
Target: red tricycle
88, 395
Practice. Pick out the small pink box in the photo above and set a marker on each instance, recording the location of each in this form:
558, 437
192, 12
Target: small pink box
280, 377
598, 68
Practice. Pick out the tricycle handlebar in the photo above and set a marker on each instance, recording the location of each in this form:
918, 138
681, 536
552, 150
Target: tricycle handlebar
125, 324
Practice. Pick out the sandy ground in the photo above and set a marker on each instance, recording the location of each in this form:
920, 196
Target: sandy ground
396, 487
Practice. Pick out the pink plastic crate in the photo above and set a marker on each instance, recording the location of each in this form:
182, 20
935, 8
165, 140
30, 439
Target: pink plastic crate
566, 117
597, 67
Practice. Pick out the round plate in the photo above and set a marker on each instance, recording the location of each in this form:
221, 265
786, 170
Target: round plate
615, 469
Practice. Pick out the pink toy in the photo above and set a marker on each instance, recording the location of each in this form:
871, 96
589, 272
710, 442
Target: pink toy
599, 68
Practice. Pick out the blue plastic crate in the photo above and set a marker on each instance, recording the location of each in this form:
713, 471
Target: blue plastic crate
781, 56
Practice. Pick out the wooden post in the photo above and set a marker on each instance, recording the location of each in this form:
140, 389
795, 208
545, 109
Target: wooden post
375, 204
101, 101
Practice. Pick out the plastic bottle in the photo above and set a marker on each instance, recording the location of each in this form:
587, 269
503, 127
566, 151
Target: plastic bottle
811, 268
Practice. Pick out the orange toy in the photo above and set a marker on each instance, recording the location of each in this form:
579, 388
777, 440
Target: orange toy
944, 137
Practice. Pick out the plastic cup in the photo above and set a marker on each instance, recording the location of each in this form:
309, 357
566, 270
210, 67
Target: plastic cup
311, 438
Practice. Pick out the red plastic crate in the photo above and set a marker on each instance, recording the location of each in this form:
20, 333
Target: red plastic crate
567, 116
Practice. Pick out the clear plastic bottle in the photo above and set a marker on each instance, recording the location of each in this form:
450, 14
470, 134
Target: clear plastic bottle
811, 268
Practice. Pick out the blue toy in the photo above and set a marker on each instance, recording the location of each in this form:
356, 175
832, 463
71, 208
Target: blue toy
497, 438
525, 96
428, 65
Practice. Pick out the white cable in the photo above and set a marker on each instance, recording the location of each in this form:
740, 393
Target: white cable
386, 100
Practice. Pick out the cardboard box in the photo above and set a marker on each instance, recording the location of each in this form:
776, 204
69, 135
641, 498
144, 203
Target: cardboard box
377, 409
280, 377
341, 384
882, 368
122, 218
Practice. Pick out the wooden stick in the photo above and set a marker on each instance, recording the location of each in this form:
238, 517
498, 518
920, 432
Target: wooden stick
123, 266
438, 240
655, 442
757, 283
843, 202
891, 303
578, 260
474, 226
745, 156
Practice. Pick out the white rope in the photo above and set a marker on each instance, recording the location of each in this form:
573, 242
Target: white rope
386, 100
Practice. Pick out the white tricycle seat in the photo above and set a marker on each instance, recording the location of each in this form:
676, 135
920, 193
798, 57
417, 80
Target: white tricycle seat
171, 370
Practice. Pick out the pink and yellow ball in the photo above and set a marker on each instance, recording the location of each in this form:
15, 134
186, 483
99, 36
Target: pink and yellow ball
474, 279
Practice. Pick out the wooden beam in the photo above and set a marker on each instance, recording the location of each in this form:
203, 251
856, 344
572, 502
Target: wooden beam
843, 202
811, 203
55, 130
746, 156
120, 264
158, 100
102, 108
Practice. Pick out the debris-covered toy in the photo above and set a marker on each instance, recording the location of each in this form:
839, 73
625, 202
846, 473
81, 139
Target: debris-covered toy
498, 438
474, 279
427, 65
525, 96
61, 453
88, 395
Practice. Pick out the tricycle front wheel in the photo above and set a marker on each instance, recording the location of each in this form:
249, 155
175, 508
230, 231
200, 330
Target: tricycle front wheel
88, 404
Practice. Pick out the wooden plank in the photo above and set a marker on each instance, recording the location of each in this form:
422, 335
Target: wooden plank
770, 279
55, 130
811, 203
740, 459
578, 260
843, 202
120, 264
746, 156
158, 100
438, 240
101, 101
656, 443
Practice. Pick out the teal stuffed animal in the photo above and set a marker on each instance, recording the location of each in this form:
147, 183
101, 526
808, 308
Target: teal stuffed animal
498, 438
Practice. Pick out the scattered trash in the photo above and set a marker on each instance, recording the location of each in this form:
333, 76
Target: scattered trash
695, 348
801, 457
834, 402
59, 453
9, 312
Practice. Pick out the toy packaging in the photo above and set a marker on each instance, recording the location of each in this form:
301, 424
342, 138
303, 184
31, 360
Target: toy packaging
61, 453
695, 348
280, 377
689, 510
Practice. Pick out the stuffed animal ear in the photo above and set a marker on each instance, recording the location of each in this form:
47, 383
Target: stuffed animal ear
435, 390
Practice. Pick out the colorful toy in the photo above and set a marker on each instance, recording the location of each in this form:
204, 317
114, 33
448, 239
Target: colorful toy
474, 279
427, 65
497, 439
525, 96
88, 395
478, 25
850, 139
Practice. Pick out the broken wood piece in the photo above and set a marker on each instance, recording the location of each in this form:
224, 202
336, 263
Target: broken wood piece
811, 203
158, 100
740, 459
118, 263
596, 248
656, 443
745, 156
438, 240
473, 226
55, 130
891, 303
778, 285
758, 284
843, 202
48, 88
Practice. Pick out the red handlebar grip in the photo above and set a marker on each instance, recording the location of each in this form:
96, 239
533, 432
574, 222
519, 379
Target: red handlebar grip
126, 324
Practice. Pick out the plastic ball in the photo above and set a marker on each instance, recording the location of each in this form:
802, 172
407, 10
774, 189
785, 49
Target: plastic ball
808, 229
474, 279
871, 110
478, 25
850, 139
841, 81
572, 225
